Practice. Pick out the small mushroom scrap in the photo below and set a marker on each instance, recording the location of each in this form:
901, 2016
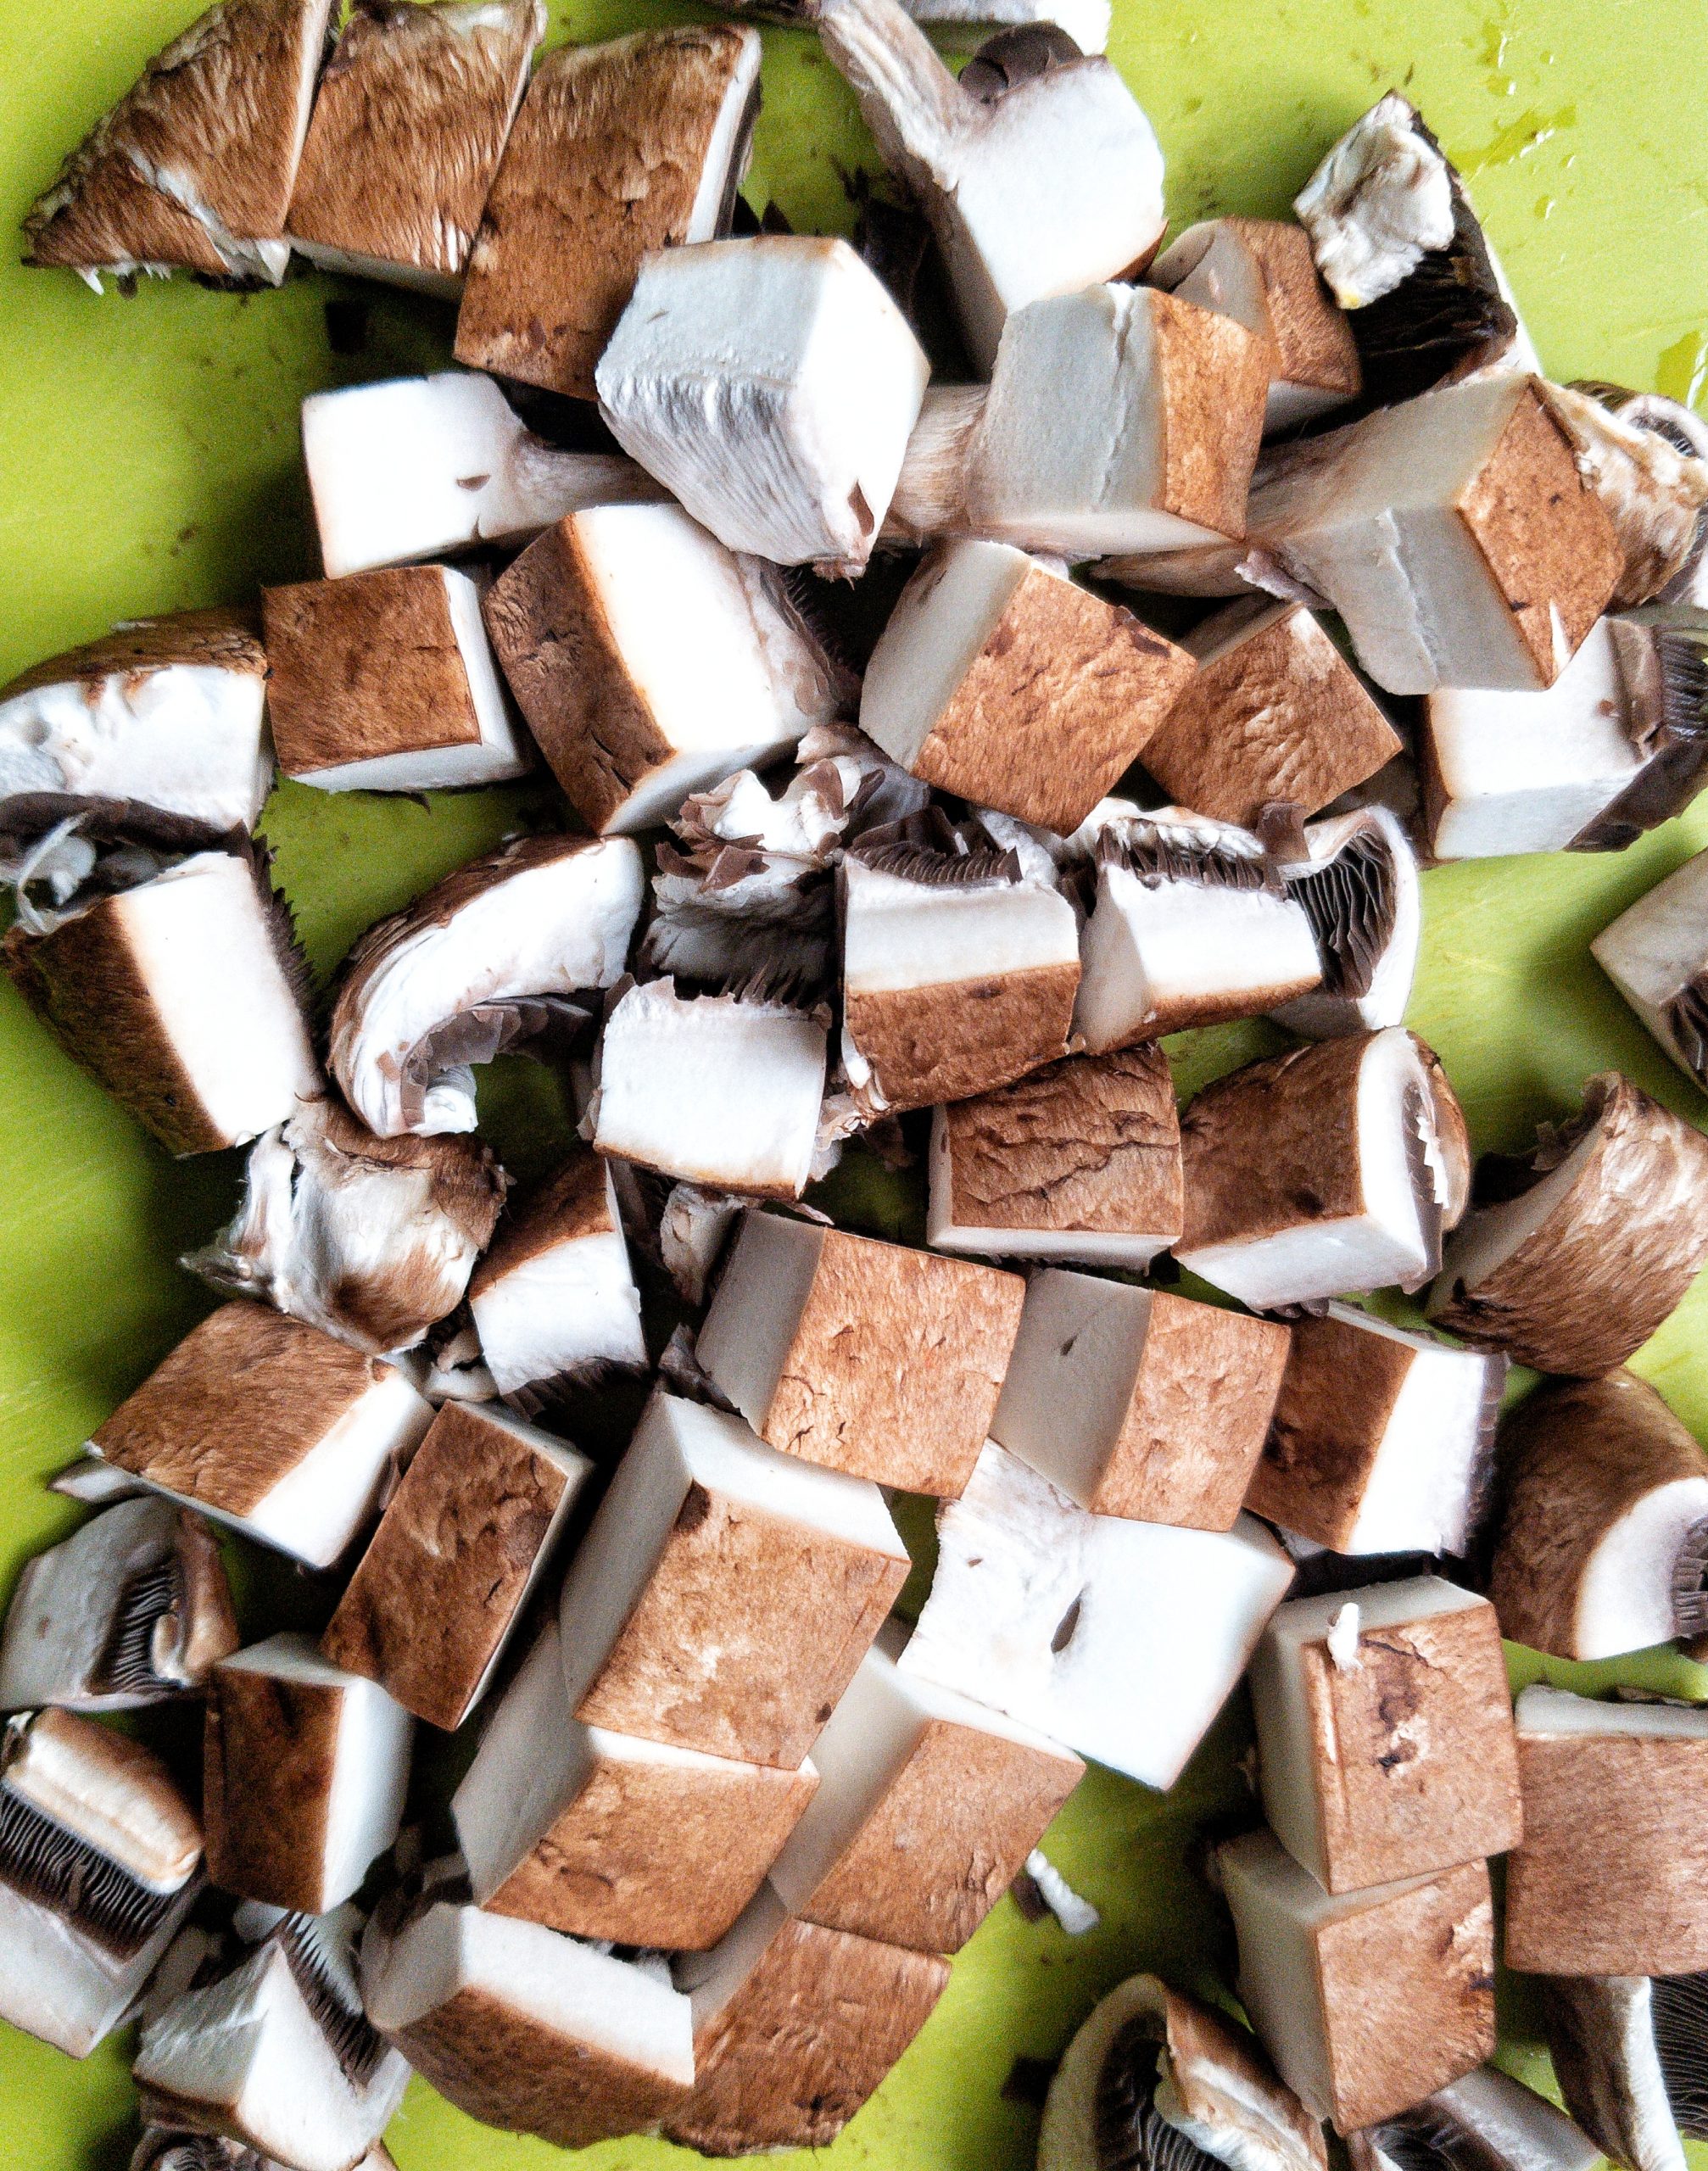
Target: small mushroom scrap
1586, 1246
486, 957
606, 1835
1486, 2117
1627, 2052
131, 1609
99, 1855
618, 150
860, 1356
1357, 884
1138, 1402
410, 123
1655, 953
193, 168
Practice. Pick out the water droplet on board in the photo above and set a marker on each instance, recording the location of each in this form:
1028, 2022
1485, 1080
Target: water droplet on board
1519, 139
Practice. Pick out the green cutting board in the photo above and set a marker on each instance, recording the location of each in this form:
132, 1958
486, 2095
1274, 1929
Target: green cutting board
148, 460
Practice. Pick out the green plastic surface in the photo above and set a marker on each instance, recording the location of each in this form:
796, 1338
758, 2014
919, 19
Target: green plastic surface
148, 460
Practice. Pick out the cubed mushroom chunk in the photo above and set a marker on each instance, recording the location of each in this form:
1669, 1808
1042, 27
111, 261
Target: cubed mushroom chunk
1655, 953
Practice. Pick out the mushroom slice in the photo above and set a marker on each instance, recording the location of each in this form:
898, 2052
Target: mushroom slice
722, 1091
1330, 1170
959, 972
195, 165
1359, 886
1603, 1544
270, 1426
1368, 2001
417, 466
529, 2031
1646, 458
1192, 925
410, 123
1040, 174
1079, 1161
485, 957
555, 1298
996, 679
1487, 2122
566, 226
157, 727
651, 662
605, 1835
1155, 2080
184, 996
98, 1861
1395, 237
1383, 1442
793, 2028
384, 682
1627, 2052
274, 2052
1584, 1248
1655, 953
1261, 273
1120, 1639
369, 1239
770, 383
130, 1609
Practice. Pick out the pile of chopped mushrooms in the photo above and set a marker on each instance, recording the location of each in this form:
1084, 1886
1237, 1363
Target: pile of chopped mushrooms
804, 568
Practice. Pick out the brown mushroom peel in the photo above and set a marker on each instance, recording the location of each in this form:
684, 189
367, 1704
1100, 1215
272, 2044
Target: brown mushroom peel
1359, 889
131, 1609
1624, 2048
1655, 953
1487, 2119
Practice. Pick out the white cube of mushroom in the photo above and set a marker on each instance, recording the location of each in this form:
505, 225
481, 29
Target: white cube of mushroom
529, 2031
769, 383
714, 1089
1121, 1639
270, 1426
1359, 886
1655, 953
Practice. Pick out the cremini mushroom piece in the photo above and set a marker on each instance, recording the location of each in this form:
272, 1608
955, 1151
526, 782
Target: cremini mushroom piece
1487, 2115
1646, 458
1655, 953
1626, 2050
1358, 883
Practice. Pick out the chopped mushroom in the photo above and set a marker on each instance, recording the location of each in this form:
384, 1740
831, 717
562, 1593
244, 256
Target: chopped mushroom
1586, 1245
410, 123
1357, 884
194, 166
1646, 459
618, 150
165, 2148
1085, 22
132, 1608
487, 957
1627, 2052
1655, 953
1486, 2119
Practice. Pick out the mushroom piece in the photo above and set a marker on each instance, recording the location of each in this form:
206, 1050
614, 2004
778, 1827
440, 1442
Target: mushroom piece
568, 222
1385, 1740
1085, 22
1646, 458
1487, 2118
1586, 1245
722, 1091
99, 1855
1154, 2078
1120, 1639
526, 2029
415, 466
193, 168
651, 662
998, 680
460, 1551
931, 491
1079, 1161
486, 957
1138, 1402
1655, 953
132, 1608
1609, 1879
1359, 886
304, 1767
273, 2050
1603, 1543
384, 682
1330, 1170
1191, 924
606, 1835
1383, 1441
793, 2028
1626, 2051
724, 1593
183, 995
1274, 713
928, 1806
410, 123
165, 2148
270, 1426
1368, 2001
770, 384
95, 1484
1261, 272
860, 1356
1040, 174
373, 1240
555, 1298
958, 971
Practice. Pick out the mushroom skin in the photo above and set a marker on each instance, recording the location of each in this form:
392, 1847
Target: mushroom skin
1625, 2050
